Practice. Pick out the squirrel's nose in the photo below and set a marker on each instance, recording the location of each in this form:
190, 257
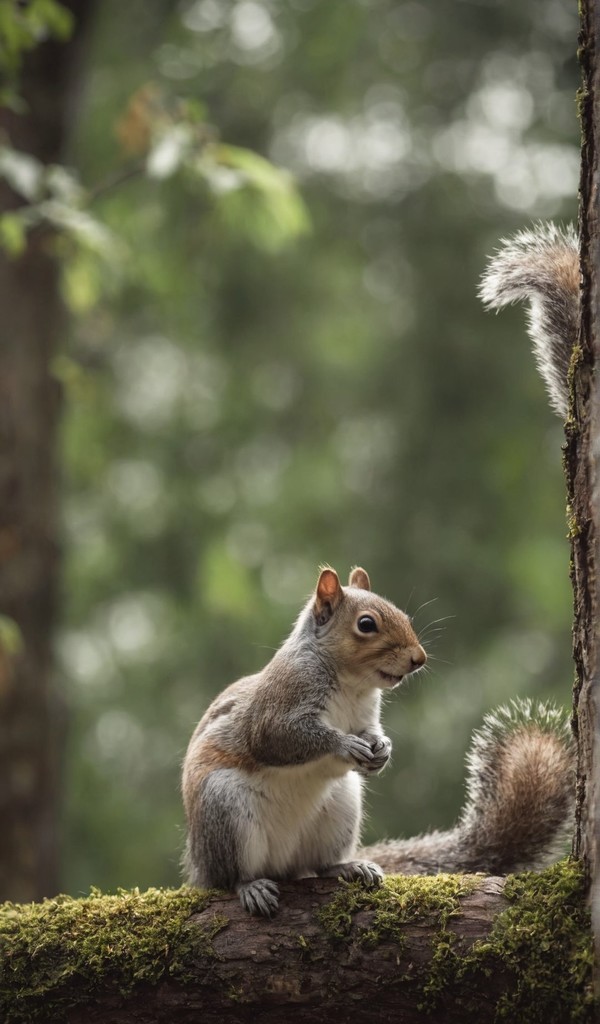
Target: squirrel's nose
418, 657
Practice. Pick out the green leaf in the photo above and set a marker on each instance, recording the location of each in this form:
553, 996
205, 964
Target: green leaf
12, 233
81, 226
57, 19
258, 171
269, 220
24, 26
82, 281
22, 171
256, 198
63, 184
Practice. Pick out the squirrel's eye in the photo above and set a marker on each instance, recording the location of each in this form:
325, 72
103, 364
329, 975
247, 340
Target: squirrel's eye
366, 624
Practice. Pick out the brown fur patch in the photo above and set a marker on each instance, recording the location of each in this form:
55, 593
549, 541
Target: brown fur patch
535, 763
204, 757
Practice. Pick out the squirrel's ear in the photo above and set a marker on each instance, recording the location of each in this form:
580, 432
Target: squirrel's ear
327, 596
360, 579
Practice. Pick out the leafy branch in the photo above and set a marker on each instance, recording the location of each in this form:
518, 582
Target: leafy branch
255, 199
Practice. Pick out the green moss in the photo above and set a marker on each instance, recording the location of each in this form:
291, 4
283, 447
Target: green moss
401, 899
573, 527
544, 940
64, 952
236, 995
541, 942
582, 94
305, 947
575, 362
66, 947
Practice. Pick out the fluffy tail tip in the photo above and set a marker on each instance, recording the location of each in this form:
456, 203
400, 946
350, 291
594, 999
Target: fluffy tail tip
520, 786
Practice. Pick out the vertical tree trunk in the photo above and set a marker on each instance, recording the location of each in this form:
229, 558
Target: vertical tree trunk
32, 322
582, 461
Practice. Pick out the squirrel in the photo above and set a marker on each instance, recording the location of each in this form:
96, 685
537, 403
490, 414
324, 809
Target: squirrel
272, 779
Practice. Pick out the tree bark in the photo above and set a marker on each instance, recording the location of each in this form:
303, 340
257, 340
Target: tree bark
582, 463
285, 969
31, 328
449, 948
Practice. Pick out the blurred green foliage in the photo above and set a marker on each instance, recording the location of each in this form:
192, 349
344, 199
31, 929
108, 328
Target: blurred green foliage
22, 27
248, 399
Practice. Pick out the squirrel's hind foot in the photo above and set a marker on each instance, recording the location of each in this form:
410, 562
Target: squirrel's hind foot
259, 897
364, 871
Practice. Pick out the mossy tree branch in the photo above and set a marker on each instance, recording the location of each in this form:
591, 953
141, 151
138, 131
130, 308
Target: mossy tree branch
451, 948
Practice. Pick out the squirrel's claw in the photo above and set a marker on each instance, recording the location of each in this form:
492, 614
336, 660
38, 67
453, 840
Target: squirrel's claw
364, 871
381, 749
259, 897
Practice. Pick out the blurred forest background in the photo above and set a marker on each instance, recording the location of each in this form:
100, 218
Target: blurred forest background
269, 220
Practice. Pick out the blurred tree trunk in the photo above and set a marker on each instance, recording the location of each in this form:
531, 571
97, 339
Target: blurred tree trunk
582, 462
31, 326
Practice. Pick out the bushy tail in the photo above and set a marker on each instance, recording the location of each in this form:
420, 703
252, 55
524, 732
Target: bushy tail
518, 814
542, 266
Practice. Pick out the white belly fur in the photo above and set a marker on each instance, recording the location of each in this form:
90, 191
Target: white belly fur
284, 801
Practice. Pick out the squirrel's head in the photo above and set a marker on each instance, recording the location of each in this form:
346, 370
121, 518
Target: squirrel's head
370, 639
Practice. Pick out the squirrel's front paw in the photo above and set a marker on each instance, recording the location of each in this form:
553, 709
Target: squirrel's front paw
381, 749
358, 750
